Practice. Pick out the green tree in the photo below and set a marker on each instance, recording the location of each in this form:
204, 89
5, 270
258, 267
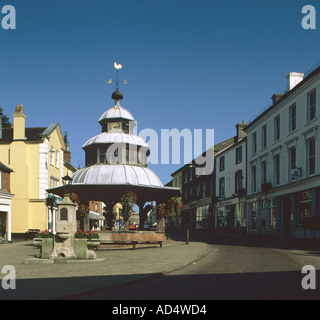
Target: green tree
5, 119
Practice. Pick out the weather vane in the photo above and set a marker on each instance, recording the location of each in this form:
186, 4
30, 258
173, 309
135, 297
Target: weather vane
117, 67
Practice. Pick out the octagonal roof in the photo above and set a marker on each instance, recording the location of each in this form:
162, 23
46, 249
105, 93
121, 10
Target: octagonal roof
116, 112
117, 174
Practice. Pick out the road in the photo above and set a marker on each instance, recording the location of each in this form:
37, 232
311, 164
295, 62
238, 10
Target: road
233, 269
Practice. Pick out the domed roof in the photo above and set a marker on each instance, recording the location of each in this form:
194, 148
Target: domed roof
117, 112
116, 137
117, 95
117, 174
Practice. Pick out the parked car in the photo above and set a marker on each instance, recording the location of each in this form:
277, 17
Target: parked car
132, 227
146, 226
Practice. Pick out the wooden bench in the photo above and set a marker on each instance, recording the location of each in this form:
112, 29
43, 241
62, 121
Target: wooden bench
133, 243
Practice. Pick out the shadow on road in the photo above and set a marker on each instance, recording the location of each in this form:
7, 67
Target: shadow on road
236, 286
248, 241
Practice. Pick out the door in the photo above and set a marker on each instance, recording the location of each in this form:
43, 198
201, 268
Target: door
286, 217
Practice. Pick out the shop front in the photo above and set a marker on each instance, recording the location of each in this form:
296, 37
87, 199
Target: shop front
5, 217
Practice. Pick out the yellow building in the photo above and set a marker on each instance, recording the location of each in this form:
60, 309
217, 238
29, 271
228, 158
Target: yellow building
39, 159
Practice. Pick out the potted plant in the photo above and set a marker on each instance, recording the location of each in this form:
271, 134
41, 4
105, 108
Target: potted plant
44, 241
92, 238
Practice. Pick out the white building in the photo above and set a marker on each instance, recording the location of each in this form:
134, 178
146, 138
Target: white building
230, 164
5, 203
283, 164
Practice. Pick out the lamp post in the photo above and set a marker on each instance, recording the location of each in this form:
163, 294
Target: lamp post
67, 181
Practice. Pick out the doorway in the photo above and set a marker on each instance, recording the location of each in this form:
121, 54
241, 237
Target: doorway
286, 217
3, 226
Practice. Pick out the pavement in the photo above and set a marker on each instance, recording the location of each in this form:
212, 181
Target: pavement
111, 269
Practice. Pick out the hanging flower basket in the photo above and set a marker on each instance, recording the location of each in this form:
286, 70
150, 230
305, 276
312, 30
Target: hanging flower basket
82, 209
174, 204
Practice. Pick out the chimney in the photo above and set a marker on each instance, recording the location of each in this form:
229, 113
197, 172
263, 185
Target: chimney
67, 155
293, 78
276, 97
19, 120
240, 130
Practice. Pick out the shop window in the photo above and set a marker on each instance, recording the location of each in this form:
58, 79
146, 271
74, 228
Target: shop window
305, 205
272, 216
221, 187
254, 216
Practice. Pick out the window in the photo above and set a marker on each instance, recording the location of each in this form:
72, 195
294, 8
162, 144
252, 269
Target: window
198, 190
57, 159
254, 216
272, 216
254, 178
102, 155
221, 187
305, 205
186, 177
263, 172
126, 128
221, 164
264, 136
239, 155
54, 182
238, 181
276, 128
191, 192
311, 105
191, 173
254, 143
292, 159
311, 152
292, 118
277, 169
204, 190
52, 156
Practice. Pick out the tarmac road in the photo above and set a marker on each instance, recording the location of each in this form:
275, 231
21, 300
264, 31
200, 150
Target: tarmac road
234, 268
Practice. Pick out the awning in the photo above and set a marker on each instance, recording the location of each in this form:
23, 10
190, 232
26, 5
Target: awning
96, 216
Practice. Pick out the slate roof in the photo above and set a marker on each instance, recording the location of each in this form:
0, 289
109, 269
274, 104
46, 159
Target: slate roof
32, 134
5, 168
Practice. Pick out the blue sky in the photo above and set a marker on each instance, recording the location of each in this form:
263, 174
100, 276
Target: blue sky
196, 64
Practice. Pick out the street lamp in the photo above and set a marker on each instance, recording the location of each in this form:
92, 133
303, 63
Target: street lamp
67, 181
